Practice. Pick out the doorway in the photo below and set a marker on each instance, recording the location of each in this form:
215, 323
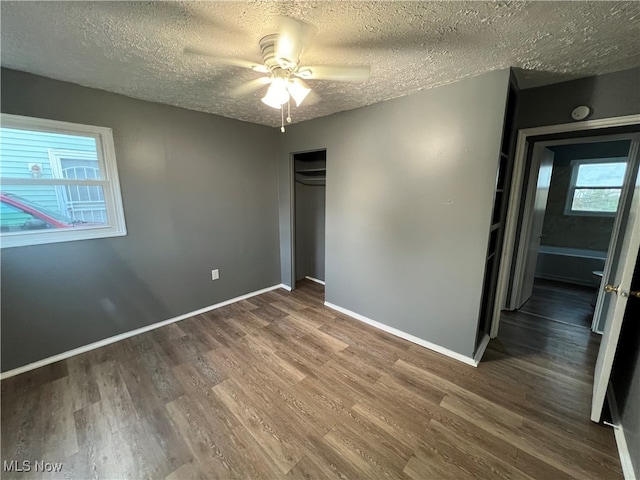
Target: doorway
571, 204
624, 245
309, 173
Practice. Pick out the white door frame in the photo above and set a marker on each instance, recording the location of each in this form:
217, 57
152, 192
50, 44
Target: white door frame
518, 189
530, 195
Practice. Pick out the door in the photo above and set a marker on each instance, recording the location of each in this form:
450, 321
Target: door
624, 252
537, 206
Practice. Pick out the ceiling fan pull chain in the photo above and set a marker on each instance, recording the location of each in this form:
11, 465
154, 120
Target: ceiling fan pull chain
282, 118
289, 111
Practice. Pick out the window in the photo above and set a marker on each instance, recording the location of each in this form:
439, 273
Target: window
595, 187
58, 182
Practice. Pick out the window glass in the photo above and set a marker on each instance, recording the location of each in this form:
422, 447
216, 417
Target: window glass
596, 199
601, 174
595, 187
58, 182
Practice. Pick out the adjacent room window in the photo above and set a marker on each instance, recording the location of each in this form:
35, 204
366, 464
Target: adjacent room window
595, 187
58, 182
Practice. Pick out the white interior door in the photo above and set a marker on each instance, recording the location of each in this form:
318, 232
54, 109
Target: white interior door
623, 259
537, 205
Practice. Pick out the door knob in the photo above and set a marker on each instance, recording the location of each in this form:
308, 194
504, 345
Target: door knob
635, 294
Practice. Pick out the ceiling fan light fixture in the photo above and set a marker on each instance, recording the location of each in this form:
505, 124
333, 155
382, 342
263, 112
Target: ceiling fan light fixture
277, 94
298, 90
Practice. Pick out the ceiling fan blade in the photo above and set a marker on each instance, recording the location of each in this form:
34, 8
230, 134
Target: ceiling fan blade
250, 86
312, 99
293, 37
236, 62
328, 72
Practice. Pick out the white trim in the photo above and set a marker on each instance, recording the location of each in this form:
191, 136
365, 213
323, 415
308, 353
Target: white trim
131, 333
286, 287
110, 183
621, 440
511, 223
481, 349
317, 280
404, 335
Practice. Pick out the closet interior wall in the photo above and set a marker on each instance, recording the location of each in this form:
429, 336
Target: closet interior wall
310, 195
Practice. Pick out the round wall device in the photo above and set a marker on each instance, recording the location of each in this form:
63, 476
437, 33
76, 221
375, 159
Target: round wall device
580, 113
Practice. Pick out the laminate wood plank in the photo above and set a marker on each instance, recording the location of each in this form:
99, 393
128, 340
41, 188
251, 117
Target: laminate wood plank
208, 443
282, 406
305, 408
82, 383
537, 468
382, 454
245, 320
22, 424
269, 312
279, 386
306, 327
466, 456
285, 370
115, 406
431, 465
265, 431
191, 470
59, 432
575, 459
351, 450
471, 433
329, 461
563, 302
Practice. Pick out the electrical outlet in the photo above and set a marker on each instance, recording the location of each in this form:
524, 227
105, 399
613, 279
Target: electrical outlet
215, 274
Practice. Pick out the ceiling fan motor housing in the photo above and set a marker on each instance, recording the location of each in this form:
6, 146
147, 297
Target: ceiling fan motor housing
269, 58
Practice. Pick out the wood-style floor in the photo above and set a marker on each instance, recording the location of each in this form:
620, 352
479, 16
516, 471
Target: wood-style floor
278, 386
562, 302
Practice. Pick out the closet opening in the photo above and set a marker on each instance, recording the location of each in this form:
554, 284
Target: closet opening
309, 192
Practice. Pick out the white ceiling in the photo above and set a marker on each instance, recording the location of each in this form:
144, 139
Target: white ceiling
135, 48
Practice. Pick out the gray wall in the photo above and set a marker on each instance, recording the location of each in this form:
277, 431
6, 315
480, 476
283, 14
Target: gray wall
611, 95
197, 195
625, 377
409, 196
310, 232
591, 233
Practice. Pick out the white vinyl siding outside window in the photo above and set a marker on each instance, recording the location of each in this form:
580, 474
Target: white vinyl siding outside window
595, 187
58, 182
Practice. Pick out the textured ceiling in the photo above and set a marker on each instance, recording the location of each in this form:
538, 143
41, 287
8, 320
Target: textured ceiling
135, 48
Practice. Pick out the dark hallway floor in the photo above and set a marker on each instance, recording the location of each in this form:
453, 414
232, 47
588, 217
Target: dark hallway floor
561, 302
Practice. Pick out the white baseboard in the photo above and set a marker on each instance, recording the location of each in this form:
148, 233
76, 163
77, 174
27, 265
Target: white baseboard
317, 280
621, 441
286, 287
483, 346
132, 333
406, 336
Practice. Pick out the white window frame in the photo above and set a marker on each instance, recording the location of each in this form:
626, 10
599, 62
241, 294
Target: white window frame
110, 183
575, 165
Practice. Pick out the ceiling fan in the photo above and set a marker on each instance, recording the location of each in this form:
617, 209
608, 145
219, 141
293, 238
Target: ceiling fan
281, 54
